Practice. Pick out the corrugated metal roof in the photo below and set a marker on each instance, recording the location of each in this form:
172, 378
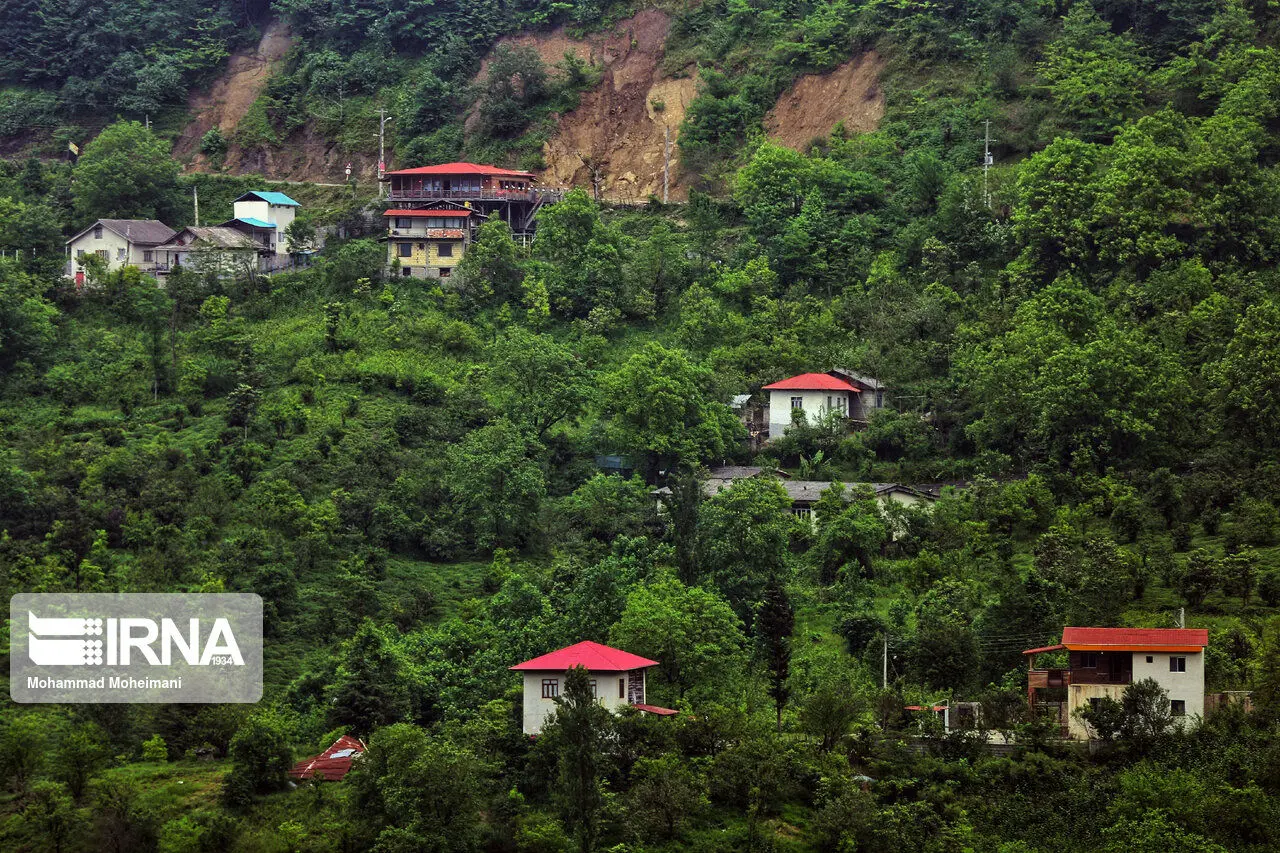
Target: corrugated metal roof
462, 169
270, 198
813, 382
593, 656
332, 764
143, 232
212, 235
655, 709
256, 223
1122, 638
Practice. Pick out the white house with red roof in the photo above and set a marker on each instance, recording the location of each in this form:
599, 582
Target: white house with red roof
851, 395
617, 679
1102, 662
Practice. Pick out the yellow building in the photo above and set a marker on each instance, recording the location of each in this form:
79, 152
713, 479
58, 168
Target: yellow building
427, 243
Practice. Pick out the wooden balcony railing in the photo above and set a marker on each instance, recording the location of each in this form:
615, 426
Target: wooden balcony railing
410, 194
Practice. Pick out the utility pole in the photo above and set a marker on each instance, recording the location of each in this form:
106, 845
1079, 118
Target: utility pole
382, 146
147, 120
884, 683
987, 160
1182, 617
195, 200
666, 161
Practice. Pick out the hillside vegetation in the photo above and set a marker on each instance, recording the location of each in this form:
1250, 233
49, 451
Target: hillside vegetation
408, 472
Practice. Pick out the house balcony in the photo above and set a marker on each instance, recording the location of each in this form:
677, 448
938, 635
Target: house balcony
428, 233
1047, 679
416, 194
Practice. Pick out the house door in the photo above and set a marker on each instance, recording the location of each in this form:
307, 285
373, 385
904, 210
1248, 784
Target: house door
445, 185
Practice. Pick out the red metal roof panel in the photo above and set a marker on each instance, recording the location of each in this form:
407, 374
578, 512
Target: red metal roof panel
1134, 637
813, 382
462, 169
332, 764
1044, 649
654, 709
593, 656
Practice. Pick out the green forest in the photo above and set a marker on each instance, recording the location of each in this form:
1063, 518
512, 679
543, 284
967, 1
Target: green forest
420, 477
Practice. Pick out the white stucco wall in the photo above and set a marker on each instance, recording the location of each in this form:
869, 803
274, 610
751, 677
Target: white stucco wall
814, 404
112, 243
537, 709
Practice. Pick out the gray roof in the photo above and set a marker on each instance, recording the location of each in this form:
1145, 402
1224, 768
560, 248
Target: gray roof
215, 236
868, 382
141, 232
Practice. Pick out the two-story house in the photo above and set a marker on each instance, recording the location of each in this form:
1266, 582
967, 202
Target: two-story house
263, 217
119, 243
617, 679
850, 395
427, 243
1102, 662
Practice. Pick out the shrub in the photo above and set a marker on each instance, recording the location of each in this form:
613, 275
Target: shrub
155, 749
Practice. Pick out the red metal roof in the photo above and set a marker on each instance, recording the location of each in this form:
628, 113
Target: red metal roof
1123, 638
654, 709
813, 382
439, 211
332, 764
462, 169
593, 656
1056, 648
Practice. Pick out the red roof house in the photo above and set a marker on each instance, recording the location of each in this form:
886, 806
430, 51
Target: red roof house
817, 395
332, 764
813, 382
617, 680
1102, 662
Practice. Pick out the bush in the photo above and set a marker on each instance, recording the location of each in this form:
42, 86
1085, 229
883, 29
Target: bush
155, 749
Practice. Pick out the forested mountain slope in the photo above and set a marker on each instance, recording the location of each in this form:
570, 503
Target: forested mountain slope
410, 472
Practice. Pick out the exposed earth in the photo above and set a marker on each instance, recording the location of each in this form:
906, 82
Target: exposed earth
815, 103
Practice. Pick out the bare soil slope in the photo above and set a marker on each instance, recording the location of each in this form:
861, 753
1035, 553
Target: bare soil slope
229, 98
816, 102
617, 137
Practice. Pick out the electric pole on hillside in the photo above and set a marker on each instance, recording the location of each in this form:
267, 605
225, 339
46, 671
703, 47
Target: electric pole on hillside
195, 200
987, 160
382, 147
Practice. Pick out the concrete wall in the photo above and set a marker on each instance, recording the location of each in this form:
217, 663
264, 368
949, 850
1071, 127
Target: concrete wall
814, 403
537, 709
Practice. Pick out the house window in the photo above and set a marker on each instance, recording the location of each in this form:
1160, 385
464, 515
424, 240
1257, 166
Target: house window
1095, 702
1177, 664
879, 399
405, 249
445, 272
593, 688
120, 254
79, 254
1088, 660
1178, 707
550, 688
148, 257
97, 232
103, 254
797, 402
405, 272
404, 222
1150, 659
622, 688
802, 512
445, 250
